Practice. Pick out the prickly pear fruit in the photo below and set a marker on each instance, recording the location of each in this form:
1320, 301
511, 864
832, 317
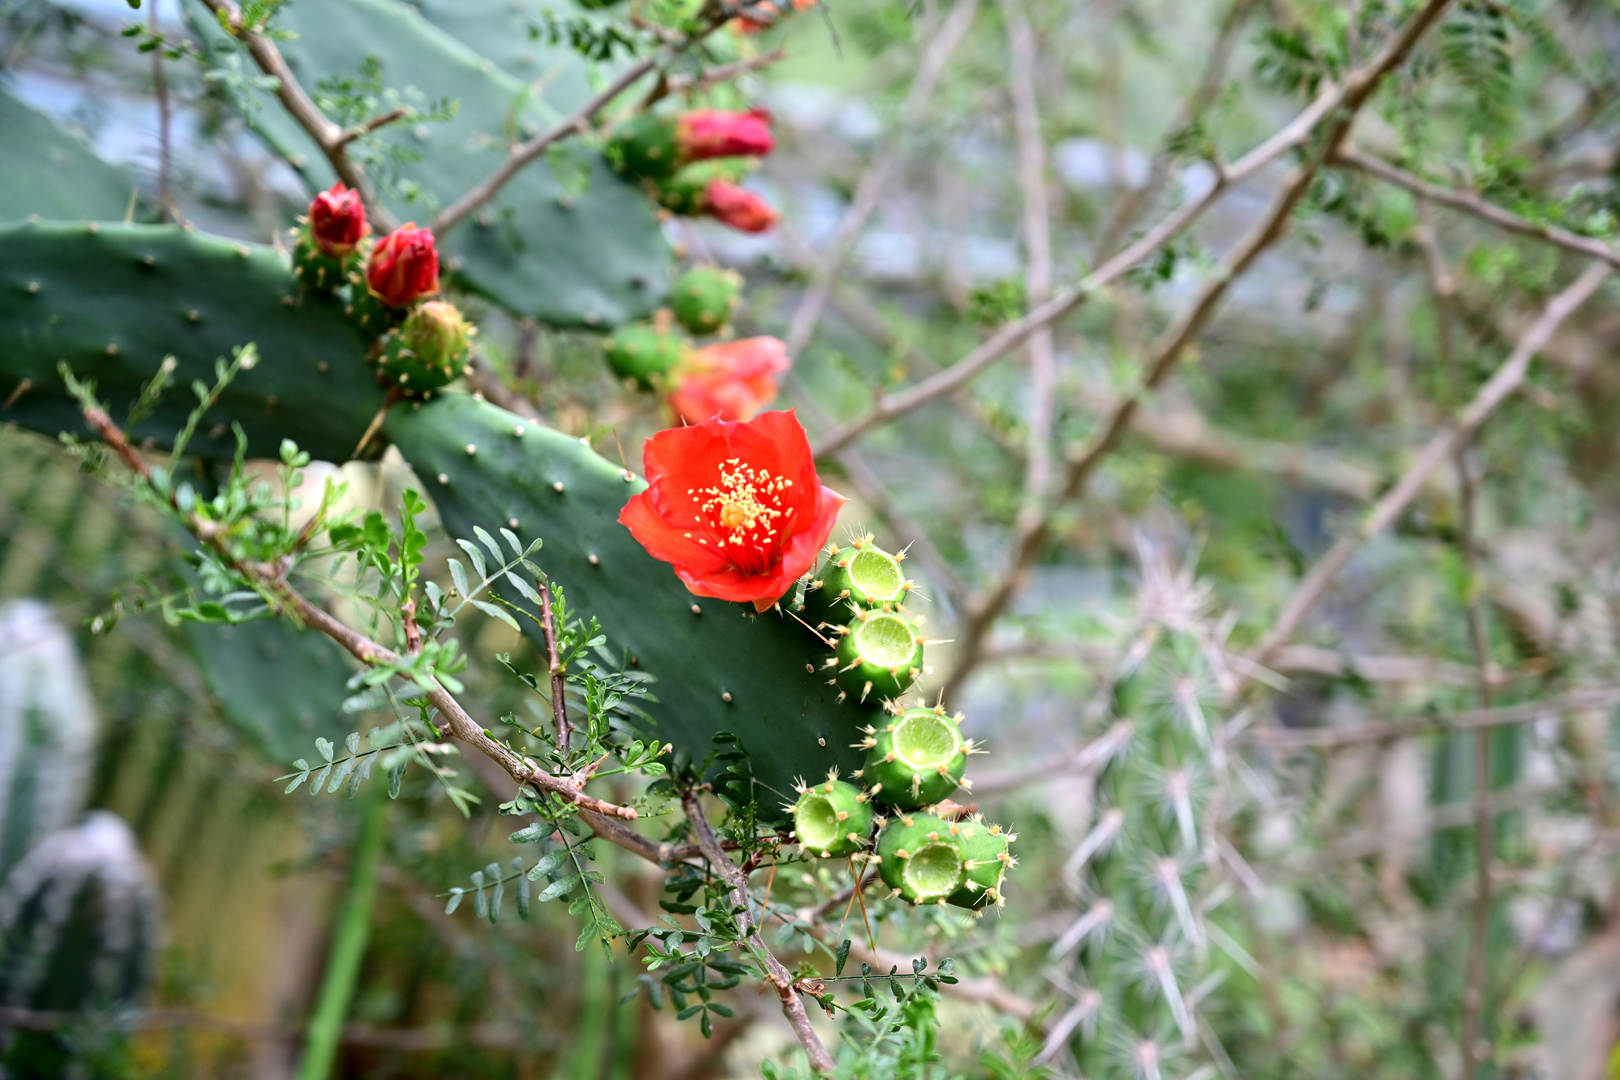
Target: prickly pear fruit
880, 654
645, 146
920, 857
428, 350
47, 729
367, 310
329, 238
315, 269
988, 861
641, 351
916, 759
687, 192
832, 818
703, 298
863, 575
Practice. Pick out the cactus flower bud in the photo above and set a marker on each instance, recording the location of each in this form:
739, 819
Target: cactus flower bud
832, 818
733, 380
427, 350
713, 133
337, 220
916, 759
920, 857
736, 508
738, 207
643, 352
404, 267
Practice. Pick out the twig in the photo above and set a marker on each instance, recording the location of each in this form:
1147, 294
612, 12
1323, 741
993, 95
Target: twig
559, 706
522, 153
1022, 58
272, 582
1338, 102
327, 134
869, 189
780, 978
371, 125
1284, 739
1471, 203
1440, 449
723, 72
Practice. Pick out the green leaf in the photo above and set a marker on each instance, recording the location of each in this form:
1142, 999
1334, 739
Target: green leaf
476, 556
842, 957
495, 611
458, 575
560, 887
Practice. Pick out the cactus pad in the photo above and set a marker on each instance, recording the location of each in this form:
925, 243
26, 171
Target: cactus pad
718, 667
114, 300
880, 656
832, 818
916, 759
47, 729
920, 857
703, 298
45, 171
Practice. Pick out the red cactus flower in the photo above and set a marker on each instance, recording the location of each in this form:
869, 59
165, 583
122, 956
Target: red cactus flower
404, 266
736, 508
337, 220
763, 15
733, 381
713, 133
738, 207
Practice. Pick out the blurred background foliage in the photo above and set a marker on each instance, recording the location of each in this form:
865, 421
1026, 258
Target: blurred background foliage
1359, 943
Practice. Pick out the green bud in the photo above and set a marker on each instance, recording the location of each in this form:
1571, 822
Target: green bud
920, 857
985, 848
863, 575
429, 349
686, 192
644, 146
916, 759
703, 298
641, 352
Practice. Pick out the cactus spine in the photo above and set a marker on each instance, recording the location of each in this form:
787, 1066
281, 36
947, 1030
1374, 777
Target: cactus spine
47, 729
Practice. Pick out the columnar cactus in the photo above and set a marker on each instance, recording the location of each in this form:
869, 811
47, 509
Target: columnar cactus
79, 921
47, 729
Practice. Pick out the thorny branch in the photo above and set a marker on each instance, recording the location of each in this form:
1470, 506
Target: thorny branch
780, 978
559, 706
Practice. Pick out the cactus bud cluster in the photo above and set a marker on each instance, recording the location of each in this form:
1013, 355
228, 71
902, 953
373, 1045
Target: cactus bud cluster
692, 164
428, 350
927, 852
326, 243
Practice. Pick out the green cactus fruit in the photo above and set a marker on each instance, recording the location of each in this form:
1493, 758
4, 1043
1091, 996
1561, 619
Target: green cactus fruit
79, 921
880, 654
366, 310
643, 352
916, 759
644, 146
686, 193
428, 350
920, 857
988, 861
832, 818
314, 268
863, 574
703, 298
47, 729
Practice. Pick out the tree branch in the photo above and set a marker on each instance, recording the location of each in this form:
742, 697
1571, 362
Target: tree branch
780, 978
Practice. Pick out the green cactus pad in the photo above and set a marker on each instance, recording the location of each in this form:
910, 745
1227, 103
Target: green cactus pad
567, 240
920, 857
48, 173
642, 352
644, 146
916, 759
114, 300
719, 667
880, 656
832, 818
79, 921
47, 729
988, 861
703, 297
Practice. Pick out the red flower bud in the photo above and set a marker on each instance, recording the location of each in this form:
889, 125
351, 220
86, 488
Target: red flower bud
733, 381
337, 220
404, 266
737, 509
712, 133
739, 207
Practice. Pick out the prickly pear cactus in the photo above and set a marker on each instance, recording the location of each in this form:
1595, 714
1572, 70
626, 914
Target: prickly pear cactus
114, 300
45, 171
79, 921
47, 729
718, 668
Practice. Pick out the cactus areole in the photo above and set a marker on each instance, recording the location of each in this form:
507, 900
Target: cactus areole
736, 508
832, 818
920, 857
916, 759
